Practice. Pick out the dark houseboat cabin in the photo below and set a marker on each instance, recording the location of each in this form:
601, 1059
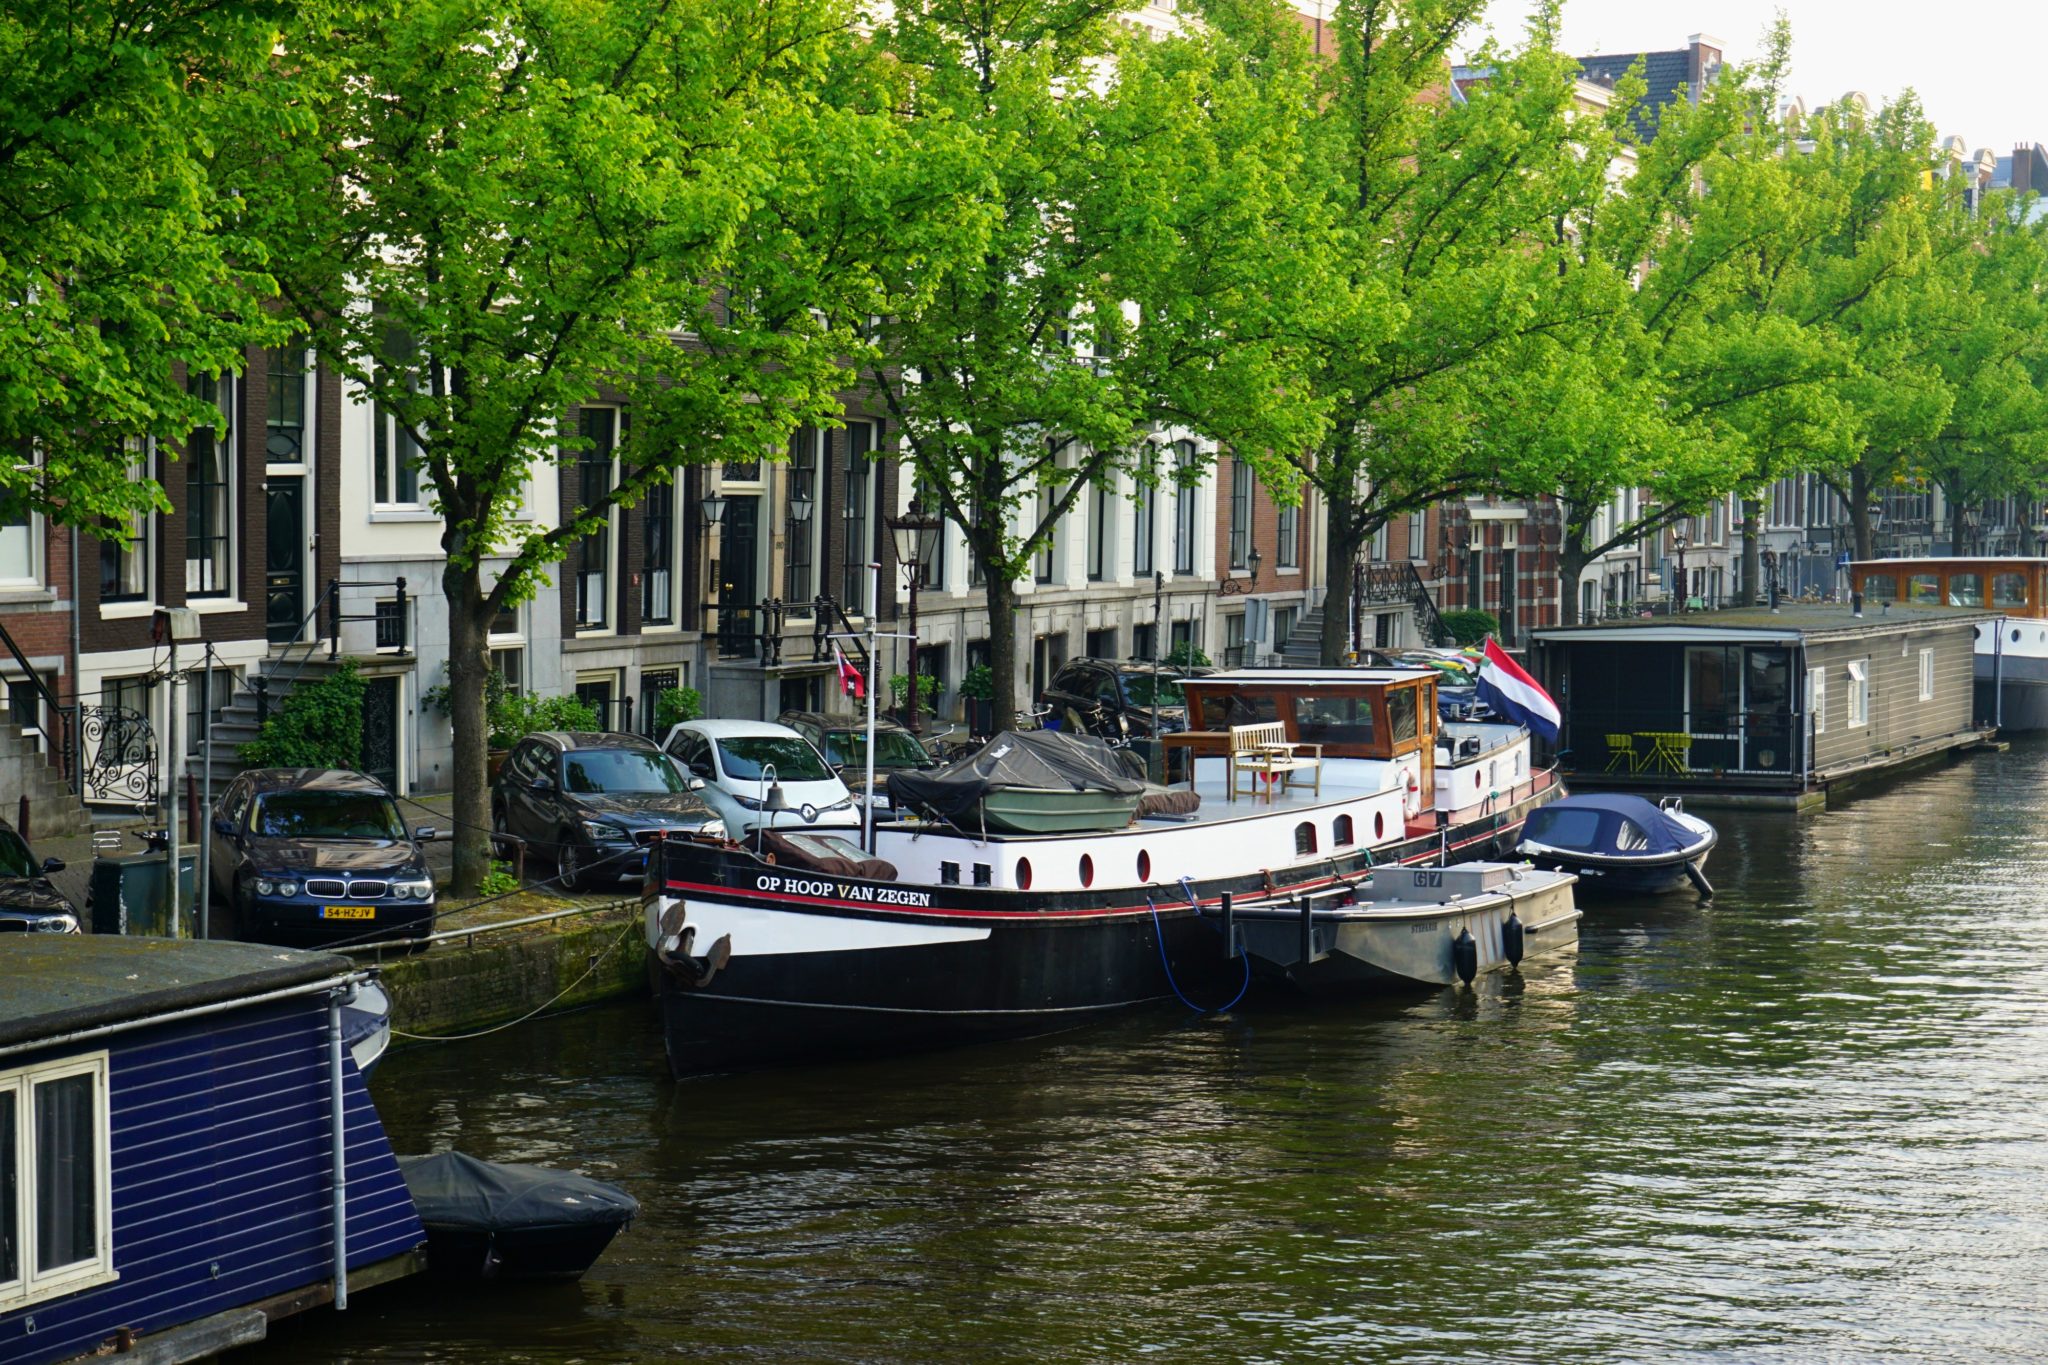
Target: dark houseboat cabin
1750, 700
186, 1148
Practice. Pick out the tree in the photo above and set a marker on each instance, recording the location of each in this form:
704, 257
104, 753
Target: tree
489, 215
123, 255
1128, 181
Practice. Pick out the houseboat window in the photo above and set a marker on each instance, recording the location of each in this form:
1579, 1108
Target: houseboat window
1924, 589
1817, 698
55, 1229
1859, 691
1401, 713
1304, 838
1222, 710
1341, 832
2008, 590
1333, 717
1966, 590
1881, 587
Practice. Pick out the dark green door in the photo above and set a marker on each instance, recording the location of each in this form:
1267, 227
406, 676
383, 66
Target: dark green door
380, 731
284, 556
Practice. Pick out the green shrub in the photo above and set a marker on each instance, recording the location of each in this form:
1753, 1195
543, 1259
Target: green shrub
979, 684
320, 725
927, 693
1469, 626
675, 705
1186, 655
519, 714
499, 881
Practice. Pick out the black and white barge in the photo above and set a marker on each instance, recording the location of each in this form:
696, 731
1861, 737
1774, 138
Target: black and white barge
809, 947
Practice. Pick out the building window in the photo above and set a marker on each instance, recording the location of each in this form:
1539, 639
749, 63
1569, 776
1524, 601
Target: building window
1101, 532
1287, 530
653, 683
196, 722
1184, 495
395, 455
1100, 644
1859, 692
388, 618
1051, 532
124, 567
599, 428
1418, 535
1240, 514
1233, 641
800, 555
658, 549
285, 373
20, 543
856, 551
1283, 626
1927, 675
511, 666
209, 494
1142, 517
1144, 640
56, 1218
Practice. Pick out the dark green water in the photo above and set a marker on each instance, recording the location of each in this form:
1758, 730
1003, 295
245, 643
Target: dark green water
1808, 1122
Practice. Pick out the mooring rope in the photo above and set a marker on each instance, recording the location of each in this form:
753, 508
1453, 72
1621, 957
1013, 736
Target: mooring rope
1159, 937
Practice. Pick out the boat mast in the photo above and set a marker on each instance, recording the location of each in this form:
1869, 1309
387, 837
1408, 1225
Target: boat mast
867, 807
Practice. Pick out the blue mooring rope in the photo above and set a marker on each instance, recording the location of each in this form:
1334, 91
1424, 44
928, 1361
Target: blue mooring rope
1159, 937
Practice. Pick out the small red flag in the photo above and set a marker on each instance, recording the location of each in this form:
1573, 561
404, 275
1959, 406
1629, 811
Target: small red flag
850, 679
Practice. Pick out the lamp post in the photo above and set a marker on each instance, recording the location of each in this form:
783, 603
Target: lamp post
1678, 544
916, 537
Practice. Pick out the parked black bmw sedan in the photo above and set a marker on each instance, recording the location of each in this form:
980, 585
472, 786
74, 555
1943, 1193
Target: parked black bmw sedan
318, 854
28, 902
593, 802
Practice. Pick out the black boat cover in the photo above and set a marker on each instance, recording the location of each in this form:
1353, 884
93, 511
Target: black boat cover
1030, 760
454, 1190
1611, 824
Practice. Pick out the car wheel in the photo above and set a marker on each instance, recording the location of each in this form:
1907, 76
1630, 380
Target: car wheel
501, 832
575, 876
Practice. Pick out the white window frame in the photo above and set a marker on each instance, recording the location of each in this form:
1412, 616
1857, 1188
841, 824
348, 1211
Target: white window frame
1817, 698
608, 594
1859, 692
31, 1286
228, 449
37, 564
1927, 675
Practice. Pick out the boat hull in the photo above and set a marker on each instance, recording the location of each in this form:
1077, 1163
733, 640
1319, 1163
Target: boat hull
1635, 877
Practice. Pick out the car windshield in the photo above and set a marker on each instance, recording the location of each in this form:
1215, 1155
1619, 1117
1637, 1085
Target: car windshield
893, 749
795, 760
327, 815
14, 856
601, 772
1144, 689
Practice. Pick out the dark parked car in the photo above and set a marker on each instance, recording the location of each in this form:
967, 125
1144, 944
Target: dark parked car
593, 802
1112, 699
318, 854
29, 904
844, 743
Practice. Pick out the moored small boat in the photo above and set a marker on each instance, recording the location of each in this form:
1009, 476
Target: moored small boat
490, 1220
1621, 844
1028, 782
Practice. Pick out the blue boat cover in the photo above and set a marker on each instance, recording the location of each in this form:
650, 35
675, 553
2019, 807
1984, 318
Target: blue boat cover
1610, 824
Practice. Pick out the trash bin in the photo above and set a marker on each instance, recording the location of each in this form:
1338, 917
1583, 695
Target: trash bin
131, 895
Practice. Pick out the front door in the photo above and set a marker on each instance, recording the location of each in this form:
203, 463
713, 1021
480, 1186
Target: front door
1713, 707
380, 731
284, 556
740, 589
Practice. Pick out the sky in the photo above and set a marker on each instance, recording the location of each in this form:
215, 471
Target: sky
1971, 61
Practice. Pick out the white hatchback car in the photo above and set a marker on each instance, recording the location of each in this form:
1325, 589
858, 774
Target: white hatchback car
740, 760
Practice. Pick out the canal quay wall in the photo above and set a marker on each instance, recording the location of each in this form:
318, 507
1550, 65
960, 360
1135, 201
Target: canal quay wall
475, 979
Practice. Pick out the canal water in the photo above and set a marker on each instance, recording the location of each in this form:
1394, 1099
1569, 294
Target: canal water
1808, 1121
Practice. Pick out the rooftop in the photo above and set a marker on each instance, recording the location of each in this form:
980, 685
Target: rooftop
64, 983
1282, 677
1792, 618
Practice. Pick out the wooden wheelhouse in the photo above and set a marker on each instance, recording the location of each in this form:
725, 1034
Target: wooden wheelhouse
2007, 585
1351, 713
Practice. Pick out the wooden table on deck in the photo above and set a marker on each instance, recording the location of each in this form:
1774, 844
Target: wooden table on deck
1199, 744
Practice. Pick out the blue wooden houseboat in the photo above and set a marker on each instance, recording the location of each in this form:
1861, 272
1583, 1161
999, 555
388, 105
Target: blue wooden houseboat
187, 1150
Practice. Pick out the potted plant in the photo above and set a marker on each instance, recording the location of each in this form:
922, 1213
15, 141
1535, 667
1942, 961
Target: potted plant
673, 706
929, 688
978, 691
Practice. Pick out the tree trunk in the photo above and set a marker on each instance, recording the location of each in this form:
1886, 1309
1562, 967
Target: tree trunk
1859, 508
1340, 553
1752, 549
1002, 641
1572, 560
469, 663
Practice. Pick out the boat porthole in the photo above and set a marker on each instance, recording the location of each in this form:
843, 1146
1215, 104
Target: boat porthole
1477, 780
2015, 637
1144, 866
1087, 870
1977, 632
1023, 874
1379, 825
1341, 834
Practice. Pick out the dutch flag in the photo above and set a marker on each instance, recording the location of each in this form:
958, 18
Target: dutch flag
1508, 689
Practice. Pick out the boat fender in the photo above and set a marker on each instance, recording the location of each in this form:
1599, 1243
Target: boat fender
1699, 881
1465, 956
1511, 941
1411, 802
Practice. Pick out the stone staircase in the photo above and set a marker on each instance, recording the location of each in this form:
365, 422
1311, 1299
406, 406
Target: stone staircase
237, 723
54, 811
1304, 648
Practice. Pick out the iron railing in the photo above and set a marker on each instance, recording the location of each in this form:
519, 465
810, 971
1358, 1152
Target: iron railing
1682, 745
58, 742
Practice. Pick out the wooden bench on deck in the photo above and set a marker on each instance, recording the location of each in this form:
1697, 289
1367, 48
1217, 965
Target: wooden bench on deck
1263, 751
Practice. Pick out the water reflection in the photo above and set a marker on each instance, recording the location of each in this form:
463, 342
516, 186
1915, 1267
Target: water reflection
1801, 1121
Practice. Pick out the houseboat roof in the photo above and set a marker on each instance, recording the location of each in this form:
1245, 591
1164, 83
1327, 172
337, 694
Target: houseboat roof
59, 984
1948, 559
1792, 621
1321, 677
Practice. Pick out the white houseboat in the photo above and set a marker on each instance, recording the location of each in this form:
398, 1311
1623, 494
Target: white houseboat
2012, 647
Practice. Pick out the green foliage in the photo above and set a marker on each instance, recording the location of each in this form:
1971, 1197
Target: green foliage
928, 690
320, 725
676, 705
1470, 626
519, 714
1186, 655
499, 881
978, 683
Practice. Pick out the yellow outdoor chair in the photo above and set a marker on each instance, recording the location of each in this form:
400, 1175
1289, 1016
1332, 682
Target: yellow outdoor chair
1621, 753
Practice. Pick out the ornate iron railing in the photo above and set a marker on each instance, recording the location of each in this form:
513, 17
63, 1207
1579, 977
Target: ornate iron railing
119, 755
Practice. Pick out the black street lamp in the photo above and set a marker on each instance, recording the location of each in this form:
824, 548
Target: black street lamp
712, 507
916, 537
1232, 587
799, 504
1678, 543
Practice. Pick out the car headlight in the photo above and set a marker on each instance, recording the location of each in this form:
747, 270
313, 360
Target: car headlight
287, 888
847, 804
712, 829
419, 890
597, 829
55, 924
265, 887
747, 802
